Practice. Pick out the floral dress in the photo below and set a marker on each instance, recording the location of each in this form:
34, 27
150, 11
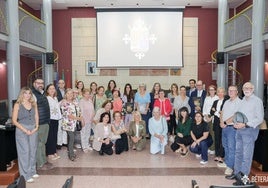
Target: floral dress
69, 108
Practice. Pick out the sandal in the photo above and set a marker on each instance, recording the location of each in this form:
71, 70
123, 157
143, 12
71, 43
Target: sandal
216, 159
185, 153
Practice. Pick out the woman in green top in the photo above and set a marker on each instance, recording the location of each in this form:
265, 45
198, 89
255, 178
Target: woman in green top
183, 136
111, 86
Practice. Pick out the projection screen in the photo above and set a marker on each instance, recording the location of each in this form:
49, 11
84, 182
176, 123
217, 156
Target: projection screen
139, 38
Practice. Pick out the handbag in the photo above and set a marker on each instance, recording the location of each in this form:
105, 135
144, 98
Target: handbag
78, 123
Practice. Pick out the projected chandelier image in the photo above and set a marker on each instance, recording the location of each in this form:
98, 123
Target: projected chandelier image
139, 38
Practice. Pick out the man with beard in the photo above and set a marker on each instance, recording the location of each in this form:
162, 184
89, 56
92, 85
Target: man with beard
252, 114
44, 117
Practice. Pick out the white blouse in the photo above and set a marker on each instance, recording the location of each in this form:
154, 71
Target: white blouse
54, 106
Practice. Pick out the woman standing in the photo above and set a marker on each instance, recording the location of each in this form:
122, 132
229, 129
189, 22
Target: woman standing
142, 102
171, 96
209, 100
100, 98
55, 116
201, 138
216, 113
158, 130
183, 137
25, 118
110, 87
87, 111
80, 87
70, 115
137, 132
163, 104
93, 88
117, 101
102, 135
180, 101
118, 128
128, 104
154, 95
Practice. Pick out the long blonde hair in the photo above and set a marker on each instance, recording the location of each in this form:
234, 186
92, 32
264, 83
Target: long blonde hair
136, 113
20, 97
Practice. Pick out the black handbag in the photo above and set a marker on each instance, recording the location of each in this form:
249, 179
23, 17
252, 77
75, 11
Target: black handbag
78, 123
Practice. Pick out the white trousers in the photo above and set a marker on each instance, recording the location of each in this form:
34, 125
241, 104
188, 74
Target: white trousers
62, 135
85, 134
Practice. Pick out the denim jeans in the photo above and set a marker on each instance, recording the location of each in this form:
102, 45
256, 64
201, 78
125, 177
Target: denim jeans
202, 148
229, 144
245, 141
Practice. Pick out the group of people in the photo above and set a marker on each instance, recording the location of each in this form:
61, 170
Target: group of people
193, 119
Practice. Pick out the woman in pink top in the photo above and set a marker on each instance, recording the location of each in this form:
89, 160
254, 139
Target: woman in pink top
163, 104
117, 101
88, 112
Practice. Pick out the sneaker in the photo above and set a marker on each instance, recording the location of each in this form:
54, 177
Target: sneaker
36, 176
184, 154
78, 146
222, 165
31, 180
203, 162
228, 171
197, 155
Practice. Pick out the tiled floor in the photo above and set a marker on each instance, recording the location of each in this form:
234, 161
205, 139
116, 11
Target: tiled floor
131, 169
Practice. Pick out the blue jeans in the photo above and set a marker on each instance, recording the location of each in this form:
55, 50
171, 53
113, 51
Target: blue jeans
245, 141
202, 148
228, 143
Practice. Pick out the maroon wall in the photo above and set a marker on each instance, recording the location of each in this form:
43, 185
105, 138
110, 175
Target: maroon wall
207, 39
244, 6
36, 13
243, 66
62, 37
3, 76
26, 67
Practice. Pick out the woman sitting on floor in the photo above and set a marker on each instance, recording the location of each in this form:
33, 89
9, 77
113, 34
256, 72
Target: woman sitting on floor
183, 137
201, 137
137, 132
102, 135
119, 131
158, 130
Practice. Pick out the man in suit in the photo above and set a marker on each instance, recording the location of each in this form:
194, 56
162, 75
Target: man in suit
61, 90
191, 87
197, 98
137, 132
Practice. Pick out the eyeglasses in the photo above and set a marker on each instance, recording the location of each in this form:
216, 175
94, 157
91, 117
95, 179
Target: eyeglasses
247, 88
39, 82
